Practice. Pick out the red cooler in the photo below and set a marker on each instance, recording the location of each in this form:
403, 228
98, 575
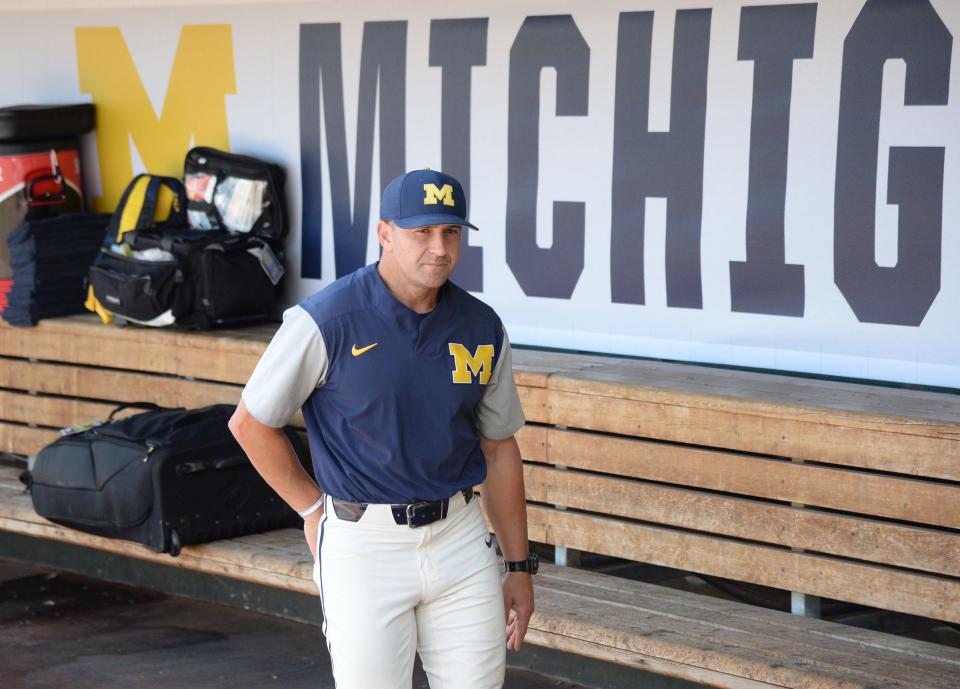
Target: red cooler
39, 168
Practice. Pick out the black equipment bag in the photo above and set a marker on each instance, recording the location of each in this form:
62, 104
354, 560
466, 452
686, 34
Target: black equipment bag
224, 270
237, 277
237, 193
134, 287
138, 290
231, 283
228, 280
164, 478
200, 279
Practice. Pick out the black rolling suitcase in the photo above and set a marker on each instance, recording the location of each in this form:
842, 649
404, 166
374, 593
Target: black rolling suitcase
164, 478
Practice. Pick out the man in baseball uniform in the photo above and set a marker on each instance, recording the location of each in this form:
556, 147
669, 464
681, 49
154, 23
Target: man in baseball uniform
406, 385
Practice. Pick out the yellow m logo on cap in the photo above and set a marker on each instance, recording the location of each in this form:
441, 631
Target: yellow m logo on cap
468, 365
431, 194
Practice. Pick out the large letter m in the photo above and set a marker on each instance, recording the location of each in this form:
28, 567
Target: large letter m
194, 108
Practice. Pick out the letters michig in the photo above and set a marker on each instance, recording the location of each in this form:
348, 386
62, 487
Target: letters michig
649, 164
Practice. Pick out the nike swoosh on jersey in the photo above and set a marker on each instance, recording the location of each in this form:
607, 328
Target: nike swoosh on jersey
357, 351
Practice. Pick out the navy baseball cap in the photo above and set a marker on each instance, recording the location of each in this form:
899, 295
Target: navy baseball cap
424, 197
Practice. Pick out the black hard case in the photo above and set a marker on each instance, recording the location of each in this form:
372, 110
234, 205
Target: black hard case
22, 123
164, 478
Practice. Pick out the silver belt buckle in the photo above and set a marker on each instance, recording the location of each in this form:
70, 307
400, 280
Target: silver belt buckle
414, 506
410, 509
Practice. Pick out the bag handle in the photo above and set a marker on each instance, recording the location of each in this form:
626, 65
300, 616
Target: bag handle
114, 228
189, 417
149, 206
147, 406
123, 224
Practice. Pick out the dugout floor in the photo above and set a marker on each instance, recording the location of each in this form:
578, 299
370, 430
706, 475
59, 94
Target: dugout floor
65, 631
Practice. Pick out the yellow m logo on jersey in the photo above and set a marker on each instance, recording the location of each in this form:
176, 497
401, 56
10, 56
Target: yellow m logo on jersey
468, 365
431, 194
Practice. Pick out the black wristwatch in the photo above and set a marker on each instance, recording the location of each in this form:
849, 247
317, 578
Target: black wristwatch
531, 564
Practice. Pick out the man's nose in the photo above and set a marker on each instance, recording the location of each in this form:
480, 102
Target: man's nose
438, 245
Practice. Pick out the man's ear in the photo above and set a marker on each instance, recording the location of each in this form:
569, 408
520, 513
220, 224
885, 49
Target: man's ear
384, 232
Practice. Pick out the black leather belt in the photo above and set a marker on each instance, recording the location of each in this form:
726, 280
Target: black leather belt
412, 514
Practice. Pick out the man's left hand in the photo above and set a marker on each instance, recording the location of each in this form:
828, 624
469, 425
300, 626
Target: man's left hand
518, 606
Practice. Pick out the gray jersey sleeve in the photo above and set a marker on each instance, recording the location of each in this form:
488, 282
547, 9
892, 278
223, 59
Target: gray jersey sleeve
499, 414
294, 364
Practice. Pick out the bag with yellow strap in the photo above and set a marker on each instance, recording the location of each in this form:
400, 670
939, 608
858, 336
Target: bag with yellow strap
145, 286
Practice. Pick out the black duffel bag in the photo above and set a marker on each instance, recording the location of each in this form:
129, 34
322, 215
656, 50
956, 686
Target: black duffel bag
223, 279
147, 287
164, 478
144, 291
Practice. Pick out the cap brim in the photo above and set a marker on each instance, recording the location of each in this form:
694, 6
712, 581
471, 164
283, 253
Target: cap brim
432, 219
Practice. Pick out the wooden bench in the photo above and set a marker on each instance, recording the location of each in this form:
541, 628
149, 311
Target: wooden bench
825, 489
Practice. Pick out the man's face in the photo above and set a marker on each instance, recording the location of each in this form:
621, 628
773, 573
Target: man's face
426, 256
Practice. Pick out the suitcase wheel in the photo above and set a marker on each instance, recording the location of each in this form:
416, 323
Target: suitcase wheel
174, 543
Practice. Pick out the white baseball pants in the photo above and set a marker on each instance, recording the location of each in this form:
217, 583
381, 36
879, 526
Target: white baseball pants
389, 591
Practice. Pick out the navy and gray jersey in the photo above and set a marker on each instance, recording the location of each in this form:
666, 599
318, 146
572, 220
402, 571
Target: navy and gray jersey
394, 401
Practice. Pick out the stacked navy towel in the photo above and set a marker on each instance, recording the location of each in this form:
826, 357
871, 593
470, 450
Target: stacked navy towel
49, 259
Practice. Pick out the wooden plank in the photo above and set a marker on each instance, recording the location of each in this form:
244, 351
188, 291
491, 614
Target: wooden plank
221, 356
835, 402
114, 385
809, 439
903, 499
56, 412
235, 559
533, 441
534, 367
725, 636
714, 648
100, 384
639, 379
812, 530
23, 440
916, 594
799, 632
539, 635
